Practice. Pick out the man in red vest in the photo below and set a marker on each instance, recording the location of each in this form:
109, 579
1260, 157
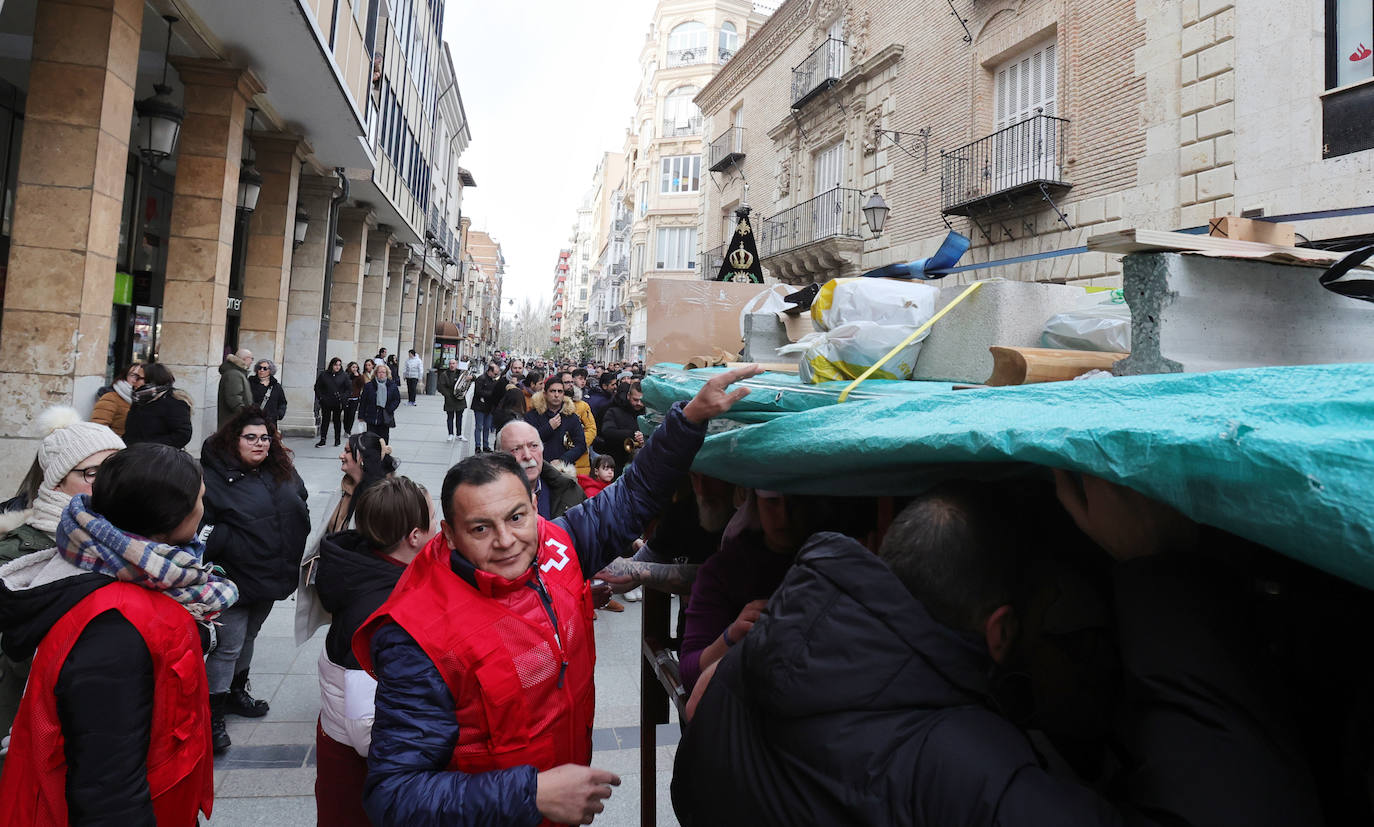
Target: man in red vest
484, 653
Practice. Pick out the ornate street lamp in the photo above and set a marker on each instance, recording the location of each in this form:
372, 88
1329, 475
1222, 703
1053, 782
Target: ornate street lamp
338, 248
875, 213
159, 118
250, 180
302, 227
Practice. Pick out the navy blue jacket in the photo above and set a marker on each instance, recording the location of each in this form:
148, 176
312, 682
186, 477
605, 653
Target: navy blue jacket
367, 404
847, 703
414, 731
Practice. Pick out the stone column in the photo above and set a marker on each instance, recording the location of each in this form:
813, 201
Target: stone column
412, 281
346, 294
271, 237
397, 256
68, 202
370, 322
201, 238
303, 305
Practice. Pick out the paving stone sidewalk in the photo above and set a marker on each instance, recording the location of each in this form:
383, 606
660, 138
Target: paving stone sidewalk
267, 777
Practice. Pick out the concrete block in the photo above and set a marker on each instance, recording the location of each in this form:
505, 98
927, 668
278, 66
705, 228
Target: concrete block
763, 335
999, 313
1193, 314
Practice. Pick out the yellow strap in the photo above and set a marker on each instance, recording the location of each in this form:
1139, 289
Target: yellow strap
844, 395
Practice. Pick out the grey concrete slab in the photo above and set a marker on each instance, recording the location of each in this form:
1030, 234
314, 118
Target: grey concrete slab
264, 812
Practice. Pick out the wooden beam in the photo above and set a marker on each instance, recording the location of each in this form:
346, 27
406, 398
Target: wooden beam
1159, 241
1030, 365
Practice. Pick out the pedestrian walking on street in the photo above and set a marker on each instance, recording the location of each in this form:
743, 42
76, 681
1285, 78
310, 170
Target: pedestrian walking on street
369, 368
255, 526
486, 394
393, 366
355, 392
268, 394
377, 406
234, 392
332, 387
454, 382
112, 408
414, 372
160, 412
356, 573
114, 726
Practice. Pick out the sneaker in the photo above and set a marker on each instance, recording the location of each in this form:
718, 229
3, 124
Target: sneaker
462, 438
634, 595
450, 438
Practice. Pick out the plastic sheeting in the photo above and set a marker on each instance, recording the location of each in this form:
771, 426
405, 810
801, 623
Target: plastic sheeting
1281, 456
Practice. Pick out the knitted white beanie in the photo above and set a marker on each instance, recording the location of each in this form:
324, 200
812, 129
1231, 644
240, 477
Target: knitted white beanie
67, 440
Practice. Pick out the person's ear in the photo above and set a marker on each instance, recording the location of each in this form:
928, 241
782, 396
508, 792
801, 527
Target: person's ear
449, 534
415, 539
1001, 629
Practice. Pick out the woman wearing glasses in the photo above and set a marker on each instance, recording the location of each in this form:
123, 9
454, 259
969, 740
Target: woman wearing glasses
268, 393
255, 527
112, 408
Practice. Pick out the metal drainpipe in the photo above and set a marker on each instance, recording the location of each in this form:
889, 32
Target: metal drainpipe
331, 231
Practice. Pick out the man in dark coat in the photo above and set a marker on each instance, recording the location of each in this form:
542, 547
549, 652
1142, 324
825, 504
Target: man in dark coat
486, 395
554, 492
618, 431
863, 693
555, 418
599, 398
489, 545
234, 393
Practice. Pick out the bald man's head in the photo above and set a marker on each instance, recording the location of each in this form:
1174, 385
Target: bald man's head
521, 440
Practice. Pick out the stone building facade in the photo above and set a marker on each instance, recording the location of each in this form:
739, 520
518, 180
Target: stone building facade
1028, 126
334, 116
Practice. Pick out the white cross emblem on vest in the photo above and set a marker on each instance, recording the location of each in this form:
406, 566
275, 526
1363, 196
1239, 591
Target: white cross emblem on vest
555, 563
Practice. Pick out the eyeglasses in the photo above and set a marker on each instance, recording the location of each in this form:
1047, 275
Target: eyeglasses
263, 367
88, 473
254, 439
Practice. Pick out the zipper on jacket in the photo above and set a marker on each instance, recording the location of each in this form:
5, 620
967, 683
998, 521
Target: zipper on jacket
537, 583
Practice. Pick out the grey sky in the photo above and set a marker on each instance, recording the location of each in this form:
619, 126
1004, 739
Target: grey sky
548, 86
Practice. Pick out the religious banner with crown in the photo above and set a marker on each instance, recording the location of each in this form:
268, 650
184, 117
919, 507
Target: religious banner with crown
741, 263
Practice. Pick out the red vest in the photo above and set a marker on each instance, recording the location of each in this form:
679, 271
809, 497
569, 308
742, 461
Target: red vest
523, 688
180, 768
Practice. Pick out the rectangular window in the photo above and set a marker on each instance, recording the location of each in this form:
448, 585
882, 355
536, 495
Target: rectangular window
829, 166
1026, 86
676, 248
1025, 147
681, 173
643, 198
1349, 41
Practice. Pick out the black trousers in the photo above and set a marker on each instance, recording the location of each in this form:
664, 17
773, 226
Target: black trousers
410, 388
350, 415
383, 431
455, 420
328, 415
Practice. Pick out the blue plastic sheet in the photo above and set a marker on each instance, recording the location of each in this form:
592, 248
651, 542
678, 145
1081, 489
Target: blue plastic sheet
1282, 456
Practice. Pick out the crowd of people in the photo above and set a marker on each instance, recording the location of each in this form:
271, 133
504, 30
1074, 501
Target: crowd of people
1045, 649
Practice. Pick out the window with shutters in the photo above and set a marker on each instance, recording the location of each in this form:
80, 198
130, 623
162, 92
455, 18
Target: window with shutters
1024, 146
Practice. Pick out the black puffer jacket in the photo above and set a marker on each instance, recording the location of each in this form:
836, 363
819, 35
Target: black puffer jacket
352, 582
165, 419
333, 389
260, 526
270, 397
848, 704
486, 393
619, 423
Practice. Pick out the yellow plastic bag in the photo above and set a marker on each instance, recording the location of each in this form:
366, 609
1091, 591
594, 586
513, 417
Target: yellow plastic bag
883, 301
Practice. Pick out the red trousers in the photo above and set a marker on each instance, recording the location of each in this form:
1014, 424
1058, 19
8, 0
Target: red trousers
339, 775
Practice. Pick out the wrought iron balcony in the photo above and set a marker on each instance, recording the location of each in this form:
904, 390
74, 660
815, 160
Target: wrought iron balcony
819, 71
621, 224
681, 128
1004, 169
828, 215
726, 149
711, 261
725, 55
687, 57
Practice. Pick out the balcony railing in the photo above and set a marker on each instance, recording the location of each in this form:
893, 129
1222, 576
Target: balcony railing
681, 128
726, 54
687, 57
711, 261
991, 172
828, 215
820, 71
726, 149
621, 224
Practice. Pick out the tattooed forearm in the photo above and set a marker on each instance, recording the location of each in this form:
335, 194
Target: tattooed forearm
669, 577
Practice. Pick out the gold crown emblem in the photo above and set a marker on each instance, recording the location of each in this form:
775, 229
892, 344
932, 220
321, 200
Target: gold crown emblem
741, 259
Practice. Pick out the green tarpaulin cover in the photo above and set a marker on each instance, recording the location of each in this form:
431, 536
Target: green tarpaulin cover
1283, 456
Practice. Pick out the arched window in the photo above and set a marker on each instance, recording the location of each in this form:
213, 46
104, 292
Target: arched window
688, 43
680, 115
729, 41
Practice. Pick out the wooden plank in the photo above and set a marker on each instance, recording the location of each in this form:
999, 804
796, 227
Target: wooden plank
1145, 241
1031, 365
776, 367
1247, 229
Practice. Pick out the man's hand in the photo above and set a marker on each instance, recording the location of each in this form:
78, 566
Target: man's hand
751, 612
1125, 523
556, 421
638, 439
572, 793
715, 398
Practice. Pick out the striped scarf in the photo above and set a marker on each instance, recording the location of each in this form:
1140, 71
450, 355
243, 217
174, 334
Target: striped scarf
89, 541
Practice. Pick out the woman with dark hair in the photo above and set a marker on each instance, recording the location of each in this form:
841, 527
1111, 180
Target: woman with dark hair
378, 403
109, 617
356, 572
268, 393
355, 392
365, 460
255, 527
160, 412
511, 406
331, 394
